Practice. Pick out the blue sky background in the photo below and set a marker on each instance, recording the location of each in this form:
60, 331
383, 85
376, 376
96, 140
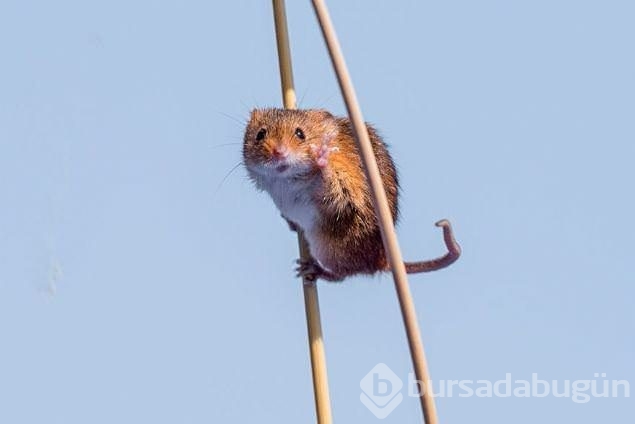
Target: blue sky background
137, 286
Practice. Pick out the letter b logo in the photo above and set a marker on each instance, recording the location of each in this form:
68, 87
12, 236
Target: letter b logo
381, 390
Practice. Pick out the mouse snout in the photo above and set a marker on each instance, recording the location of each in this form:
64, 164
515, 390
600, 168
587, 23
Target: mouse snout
280, 152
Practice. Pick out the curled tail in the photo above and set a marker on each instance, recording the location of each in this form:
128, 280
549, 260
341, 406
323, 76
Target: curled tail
454, 251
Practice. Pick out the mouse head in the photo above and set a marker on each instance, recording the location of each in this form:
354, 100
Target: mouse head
278, 142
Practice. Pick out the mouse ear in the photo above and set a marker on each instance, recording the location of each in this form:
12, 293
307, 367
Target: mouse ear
324, 114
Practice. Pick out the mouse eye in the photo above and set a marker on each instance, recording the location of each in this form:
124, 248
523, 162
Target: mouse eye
300, 134
261, 134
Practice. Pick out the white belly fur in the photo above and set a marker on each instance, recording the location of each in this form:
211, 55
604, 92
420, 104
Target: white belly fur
296, 205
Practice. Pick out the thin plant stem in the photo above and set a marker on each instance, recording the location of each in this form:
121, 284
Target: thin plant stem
382, 210
312, 307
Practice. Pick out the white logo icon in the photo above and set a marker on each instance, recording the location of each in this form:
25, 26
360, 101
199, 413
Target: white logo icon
381, 391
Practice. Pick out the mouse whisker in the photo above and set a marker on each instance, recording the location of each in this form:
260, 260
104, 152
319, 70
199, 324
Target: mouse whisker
225, 178
225, 145
241, 121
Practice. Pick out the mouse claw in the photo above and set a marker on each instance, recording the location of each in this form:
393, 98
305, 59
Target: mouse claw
307, 269
311, 270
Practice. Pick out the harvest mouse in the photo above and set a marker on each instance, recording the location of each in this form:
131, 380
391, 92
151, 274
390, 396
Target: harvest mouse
308, 162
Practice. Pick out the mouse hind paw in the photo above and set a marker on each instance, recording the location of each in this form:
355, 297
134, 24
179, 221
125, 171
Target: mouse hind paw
311, 270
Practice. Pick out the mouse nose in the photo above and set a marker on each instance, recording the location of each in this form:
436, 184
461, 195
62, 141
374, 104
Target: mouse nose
280, 152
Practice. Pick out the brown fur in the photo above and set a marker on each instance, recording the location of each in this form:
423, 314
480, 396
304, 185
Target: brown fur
348, 222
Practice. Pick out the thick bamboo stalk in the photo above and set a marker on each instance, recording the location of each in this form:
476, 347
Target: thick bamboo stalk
312, 307
383, 211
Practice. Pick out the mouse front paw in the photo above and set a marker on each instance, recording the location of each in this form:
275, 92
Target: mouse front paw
321, 153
